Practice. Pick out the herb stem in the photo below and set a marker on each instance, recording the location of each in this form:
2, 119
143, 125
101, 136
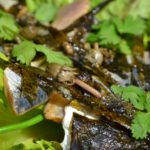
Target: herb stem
23, 124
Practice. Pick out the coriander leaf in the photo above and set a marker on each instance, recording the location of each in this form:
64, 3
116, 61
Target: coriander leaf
140, 125
117, 89
24, 52
130, 25
124, 48
8, 26
46, 12
107, 34
53, 56
140, 8
132, 94
91, 37
147, 104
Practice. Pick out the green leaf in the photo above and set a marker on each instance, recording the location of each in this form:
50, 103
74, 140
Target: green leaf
107, 34
45, 12
8, 26
147, 104
53, 56
140, 125
140, 8
117, 89
130, 25
26, 51
124, 48
91, 37
132, 94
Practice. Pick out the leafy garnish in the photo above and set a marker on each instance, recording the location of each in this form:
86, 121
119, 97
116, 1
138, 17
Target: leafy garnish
116, 32
107, 34
32, 144
132, 94
45, 10
26, 51
141, 125
130, 25
8, 26
141, 101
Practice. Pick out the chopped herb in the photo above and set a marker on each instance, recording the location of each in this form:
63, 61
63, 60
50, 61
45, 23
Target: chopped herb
115, 33
141, 101
26, 51
130, 25
8, 26
45, 10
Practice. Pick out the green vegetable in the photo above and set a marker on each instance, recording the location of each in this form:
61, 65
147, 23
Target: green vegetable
107, 34
26, 51
140, 100
8, 26
133, 94
32, 144
116, 32
130, 25
45, 10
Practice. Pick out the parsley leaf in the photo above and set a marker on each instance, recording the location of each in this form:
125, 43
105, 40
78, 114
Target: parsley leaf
8, 26
26, 51
124, 47
131, 94
140, 100
130, 25
140, 125
45, 10
107, 34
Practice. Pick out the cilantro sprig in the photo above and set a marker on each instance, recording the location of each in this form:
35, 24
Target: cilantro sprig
140, 99
45, 10
116, 32
26, 51
8, 27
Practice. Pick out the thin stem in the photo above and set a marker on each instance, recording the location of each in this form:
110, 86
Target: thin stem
22, 125
88, 88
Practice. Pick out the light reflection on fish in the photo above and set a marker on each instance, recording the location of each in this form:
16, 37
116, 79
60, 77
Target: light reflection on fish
26, 87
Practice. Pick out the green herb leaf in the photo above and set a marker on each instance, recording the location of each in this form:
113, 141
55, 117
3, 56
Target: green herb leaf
131, 94
53, 56
45, 10
108, 35
124, 48
147, 104
140, 100
26, 51
91, 37
130, 25
8, 26
140, 125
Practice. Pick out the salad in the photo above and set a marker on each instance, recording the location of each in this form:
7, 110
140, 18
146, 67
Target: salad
74, 74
